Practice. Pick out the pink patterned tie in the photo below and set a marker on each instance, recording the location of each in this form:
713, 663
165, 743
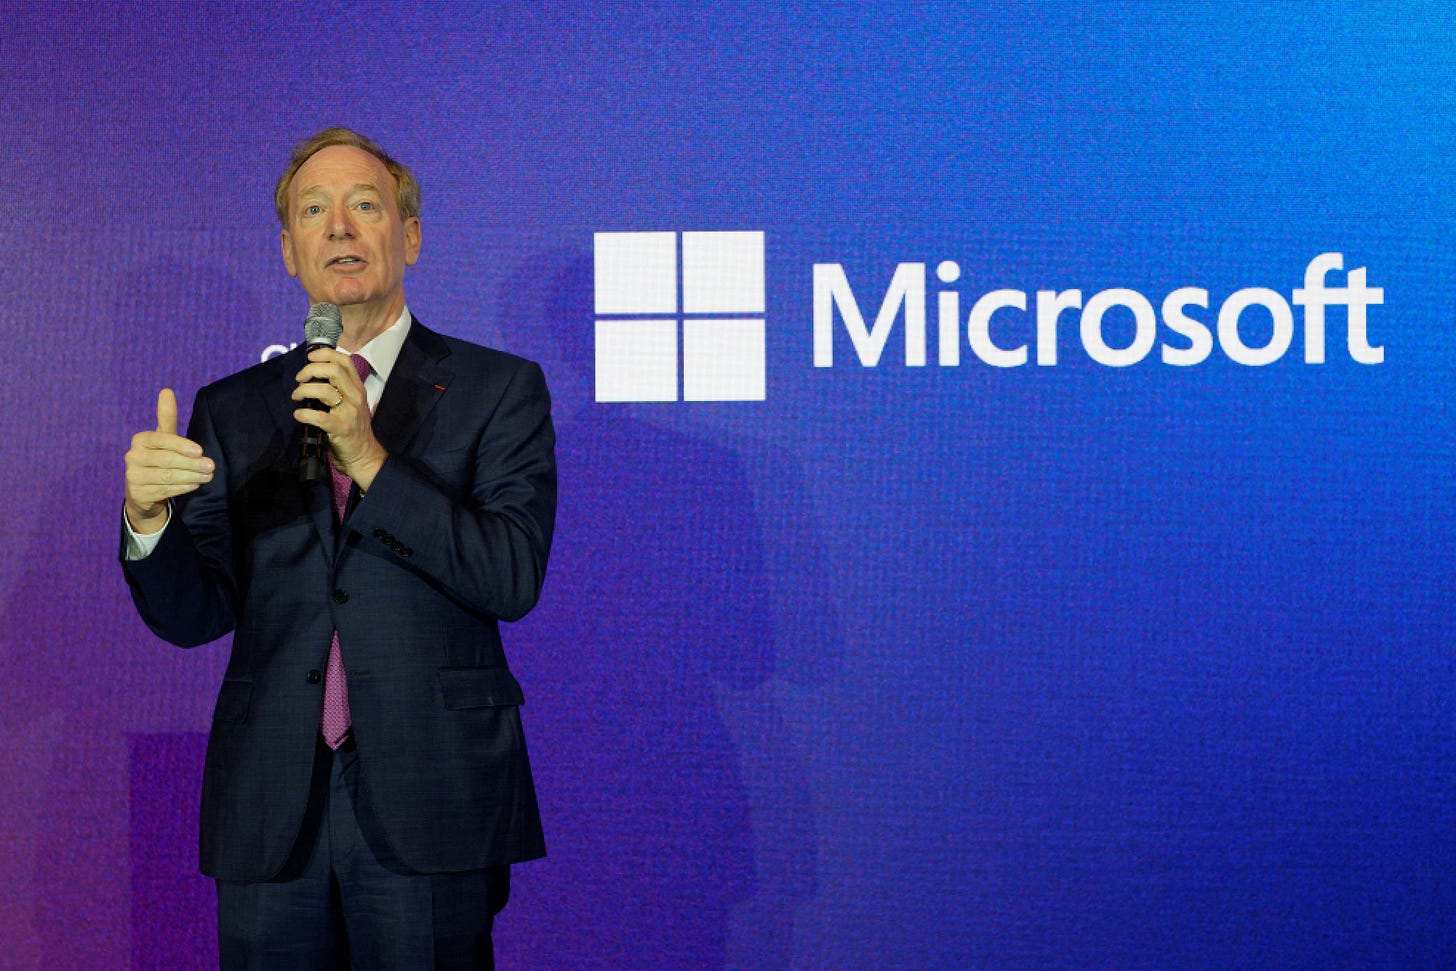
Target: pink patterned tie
336, 719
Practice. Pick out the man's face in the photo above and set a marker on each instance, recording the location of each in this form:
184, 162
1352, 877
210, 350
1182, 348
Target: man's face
345, 239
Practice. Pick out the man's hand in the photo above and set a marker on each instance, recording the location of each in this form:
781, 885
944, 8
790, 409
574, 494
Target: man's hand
330, 379
159, 466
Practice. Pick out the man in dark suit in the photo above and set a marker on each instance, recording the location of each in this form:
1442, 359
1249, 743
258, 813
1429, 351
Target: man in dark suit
366, 784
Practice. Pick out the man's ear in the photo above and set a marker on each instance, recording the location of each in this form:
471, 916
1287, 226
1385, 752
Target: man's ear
412, 240
288, 254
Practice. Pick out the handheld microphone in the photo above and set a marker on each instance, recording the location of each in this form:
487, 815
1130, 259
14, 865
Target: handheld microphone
321, 328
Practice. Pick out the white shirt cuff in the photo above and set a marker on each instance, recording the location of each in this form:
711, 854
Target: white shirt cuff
139, 546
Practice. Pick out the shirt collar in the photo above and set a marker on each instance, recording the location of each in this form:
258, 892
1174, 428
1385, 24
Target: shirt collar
383, 351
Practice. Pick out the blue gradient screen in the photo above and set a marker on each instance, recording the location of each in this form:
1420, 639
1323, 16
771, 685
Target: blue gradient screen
1004, 462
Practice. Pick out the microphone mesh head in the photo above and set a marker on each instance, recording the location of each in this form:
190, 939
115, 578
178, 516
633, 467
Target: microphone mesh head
323, 325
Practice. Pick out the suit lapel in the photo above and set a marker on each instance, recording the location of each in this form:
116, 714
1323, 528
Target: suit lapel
317, 498
414, 388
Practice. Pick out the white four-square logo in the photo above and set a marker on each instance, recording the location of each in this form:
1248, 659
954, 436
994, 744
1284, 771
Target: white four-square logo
655, 292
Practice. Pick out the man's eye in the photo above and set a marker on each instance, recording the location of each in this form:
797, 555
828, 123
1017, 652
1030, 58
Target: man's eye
313, 210
366, 205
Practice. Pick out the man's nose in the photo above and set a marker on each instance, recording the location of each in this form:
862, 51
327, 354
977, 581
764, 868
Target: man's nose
341, 223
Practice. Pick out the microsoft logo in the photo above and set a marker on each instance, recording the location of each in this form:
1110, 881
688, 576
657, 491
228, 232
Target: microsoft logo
702, 292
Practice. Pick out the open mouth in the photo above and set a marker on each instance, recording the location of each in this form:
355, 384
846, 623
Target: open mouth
344, 261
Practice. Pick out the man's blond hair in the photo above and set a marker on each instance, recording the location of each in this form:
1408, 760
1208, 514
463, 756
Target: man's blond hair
407, 189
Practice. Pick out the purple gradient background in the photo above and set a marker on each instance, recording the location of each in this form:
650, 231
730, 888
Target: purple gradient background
912, 668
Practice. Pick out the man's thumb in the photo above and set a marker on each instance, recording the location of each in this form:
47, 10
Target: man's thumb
167, 411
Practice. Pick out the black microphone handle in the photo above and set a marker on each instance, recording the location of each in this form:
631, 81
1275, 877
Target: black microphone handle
315, 441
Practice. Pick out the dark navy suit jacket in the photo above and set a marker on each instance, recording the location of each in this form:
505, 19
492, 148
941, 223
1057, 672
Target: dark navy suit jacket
452, 537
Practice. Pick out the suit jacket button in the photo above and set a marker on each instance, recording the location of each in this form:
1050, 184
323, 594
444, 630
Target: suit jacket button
341, 597
314, 677
405, 551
